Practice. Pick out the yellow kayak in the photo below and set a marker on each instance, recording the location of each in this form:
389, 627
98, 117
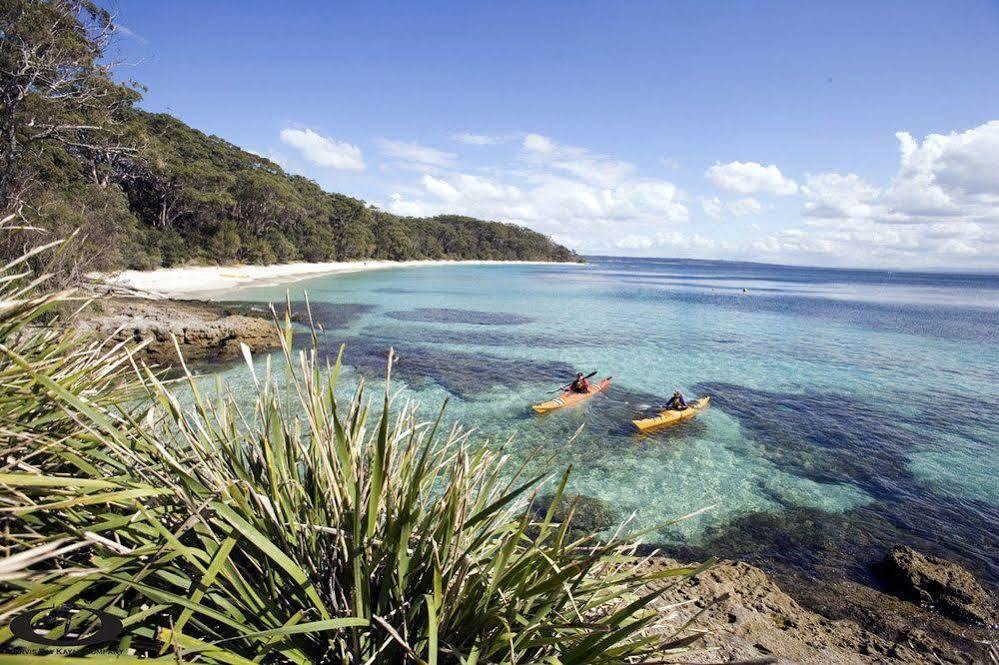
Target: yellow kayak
672, 417
569, 398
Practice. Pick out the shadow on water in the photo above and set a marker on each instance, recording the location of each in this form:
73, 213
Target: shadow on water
843, 439
694, 427
326, 315
832, 546
485, 337
401, 290
462, 374
467, 316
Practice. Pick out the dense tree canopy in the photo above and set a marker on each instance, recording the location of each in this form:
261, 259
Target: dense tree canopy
146, 190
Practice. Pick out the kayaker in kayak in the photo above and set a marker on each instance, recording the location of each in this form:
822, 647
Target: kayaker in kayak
676, 402
580, 385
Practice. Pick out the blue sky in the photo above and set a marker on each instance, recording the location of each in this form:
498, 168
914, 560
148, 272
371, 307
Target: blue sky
838, 133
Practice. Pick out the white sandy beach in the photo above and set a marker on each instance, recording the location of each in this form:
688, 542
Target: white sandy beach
206, 280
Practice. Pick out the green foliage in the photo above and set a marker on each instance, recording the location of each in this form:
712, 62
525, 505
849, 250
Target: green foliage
172, 248
258, 250
31, 339
66, 126
199, 199
57, 97
226, 244
284, 250
392, 242
198, 185
299, 529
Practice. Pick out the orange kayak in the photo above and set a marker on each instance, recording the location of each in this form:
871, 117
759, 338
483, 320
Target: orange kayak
569, 398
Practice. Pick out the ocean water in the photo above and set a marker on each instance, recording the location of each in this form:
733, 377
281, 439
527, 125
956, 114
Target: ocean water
851, 409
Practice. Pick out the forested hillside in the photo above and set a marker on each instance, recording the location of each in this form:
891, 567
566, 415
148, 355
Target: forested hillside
145, 190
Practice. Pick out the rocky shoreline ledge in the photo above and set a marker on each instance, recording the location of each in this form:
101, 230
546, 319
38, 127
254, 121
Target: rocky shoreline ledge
204, 331
746, 617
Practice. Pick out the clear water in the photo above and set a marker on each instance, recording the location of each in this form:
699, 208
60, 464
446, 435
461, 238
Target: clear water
851, 409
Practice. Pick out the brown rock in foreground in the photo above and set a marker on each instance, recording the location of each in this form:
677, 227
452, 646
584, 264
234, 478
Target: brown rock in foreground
894, 619
747, 617
204, 331
938, 583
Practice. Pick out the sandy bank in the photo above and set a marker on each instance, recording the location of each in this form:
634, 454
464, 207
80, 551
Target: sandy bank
205, 280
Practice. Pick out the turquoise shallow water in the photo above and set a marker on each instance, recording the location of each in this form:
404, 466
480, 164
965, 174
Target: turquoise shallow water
852, 409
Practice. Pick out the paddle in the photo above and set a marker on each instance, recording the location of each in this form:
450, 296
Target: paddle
566, 386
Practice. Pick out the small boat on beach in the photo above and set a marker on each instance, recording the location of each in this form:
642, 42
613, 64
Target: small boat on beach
671, 417
569, 398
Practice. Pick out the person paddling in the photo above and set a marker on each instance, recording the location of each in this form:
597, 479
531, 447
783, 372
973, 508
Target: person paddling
580, 385
676, 402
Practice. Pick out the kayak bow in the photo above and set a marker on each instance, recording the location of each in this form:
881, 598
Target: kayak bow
672, 417
569, 398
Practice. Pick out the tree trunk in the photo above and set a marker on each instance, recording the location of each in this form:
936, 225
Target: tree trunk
9, 173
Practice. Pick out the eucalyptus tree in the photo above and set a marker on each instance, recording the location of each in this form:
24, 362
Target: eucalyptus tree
55, 88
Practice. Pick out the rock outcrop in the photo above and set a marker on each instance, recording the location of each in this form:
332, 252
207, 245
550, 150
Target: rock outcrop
893, 619
937, 583
204, 331
589, 514
746, 617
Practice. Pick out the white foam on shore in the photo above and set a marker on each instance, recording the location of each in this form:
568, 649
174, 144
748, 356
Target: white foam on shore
201, 280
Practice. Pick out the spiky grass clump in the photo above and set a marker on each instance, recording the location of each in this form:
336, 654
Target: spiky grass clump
303, 531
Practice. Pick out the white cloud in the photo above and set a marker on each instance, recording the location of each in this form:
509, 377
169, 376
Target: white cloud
477, 139
952, 175
416, 154
959, 163
323, 151
551, 203
469, 187
400, 206
538, 143
713, 207
601, 172
131, 34
578, 162
941, 208
867, 242
667, 240
745, 206
717, 209
440, 188
657, 200
635, 241
831, 195
750, 178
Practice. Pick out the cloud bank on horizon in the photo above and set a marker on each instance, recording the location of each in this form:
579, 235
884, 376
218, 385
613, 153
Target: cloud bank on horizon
941, 208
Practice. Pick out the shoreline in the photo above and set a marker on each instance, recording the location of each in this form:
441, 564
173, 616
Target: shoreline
206, 280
